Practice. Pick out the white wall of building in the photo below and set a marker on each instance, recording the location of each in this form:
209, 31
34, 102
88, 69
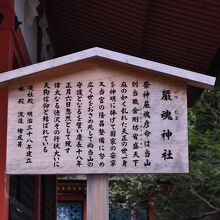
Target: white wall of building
29, 31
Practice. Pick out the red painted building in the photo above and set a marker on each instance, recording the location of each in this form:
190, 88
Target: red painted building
182, 34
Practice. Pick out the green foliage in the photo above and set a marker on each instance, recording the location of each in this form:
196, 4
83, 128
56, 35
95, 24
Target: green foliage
193, 196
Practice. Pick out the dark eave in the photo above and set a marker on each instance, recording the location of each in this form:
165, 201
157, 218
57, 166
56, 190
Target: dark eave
184, 34
180, 33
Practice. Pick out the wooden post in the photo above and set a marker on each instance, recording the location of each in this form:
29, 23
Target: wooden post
37, 195
4, 179
97, 197
6, 61
151, 211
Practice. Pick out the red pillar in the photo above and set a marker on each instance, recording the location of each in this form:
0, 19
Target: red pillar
4, 180
151, 212
6, 63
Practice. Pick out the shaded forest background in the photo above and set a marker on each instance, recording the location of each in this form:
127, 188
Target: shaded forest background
181, 197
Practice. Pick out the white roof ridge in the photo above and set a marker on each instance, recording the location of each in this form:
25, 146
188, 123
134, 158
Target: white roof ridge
193, 78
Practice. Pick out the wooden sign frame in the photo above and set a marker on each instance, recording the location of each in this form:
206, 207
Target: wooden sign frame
133, 136
97, 66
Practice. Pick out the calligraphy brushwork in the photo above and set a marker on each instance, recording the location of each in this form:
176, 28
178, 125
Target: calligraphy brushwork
105, 118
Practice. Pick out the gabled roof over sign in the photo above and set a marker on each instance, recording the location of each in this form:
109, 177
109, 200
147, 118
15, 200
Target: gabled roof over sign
192, 78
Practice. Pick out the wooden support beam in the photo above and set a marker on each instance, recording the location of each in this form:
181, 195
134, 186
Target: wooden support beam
6, 45
6, 64
97, 197
55, 197
4, 180
7, 39
7, 3
151, 212
37, 196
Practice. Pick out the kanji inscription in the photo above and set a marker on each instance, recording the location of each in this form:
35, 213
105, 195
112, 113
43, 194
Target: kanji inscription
112, 124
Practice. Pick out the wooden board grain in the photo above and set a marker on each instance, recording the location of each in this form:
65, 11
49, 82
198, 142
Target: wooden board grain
104, 119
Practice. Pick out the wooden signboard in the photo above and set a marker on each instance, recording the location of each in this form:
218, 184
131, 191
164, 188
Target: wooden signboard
104, 119
98, 112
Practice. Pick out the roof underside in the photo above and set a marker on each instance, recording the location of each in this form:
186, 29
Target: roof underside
181, 33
